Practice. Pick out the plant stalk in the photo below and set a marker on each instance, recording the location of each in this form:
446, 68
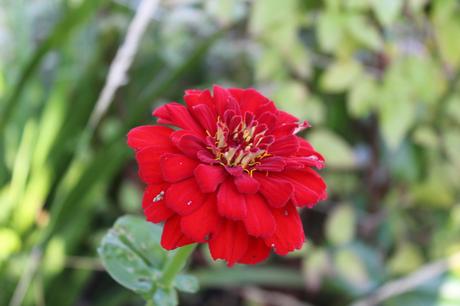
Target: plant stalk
176, 264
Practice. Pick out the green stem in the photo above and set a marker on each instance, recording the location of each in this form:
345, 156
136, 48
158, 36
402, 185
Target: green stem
176, 264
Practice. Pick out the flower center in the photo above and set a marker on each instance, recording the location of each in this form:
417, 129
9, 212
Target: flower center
240, 141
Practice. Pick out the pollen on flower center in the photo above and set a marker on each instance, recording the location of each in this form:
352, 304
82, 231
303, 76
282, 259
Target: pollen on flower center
240, 141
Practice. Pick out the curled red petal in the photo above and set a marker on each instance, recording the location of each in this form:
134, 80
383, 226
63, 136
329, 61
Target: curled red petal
246, 184
285, 146
172, 236
145, 136
257, 252
184, 197
289, 235
178, 115
230, 243
148, 160
209, 177
176, 167
259, 220
230, 203
276, 190
187, 142
309, 187
200, 224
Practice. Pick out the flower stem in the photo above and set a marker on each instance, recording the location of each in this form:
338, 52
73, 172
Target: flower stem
175, 264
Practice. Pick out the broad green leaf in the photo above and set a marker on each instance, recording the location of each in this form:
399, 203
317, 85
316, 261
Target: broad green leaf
341, 75
397, 114
132, 254
434, 192
276, 21
387, 11
292, 97
447, 29
186, 283
330, 31
337, 152
426, 136
362, 97
315, 267
340, 226
363, 31
406, 259
351, 268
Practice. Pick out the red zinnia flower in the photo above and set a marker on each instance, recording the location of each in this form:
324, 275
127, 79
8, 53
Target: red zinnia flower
231, 174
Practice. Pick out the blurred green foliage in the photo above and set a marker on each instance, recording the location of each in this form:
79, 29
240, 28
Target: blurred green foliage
378, 80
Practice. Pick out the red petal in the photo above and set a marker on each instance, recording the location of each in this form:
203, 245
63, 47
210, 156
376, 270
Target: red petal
184, 197
178, 115
257, 252
172, 237
274, 163
195, 97
289, 233
223, 100
259, 221
287, 145
230, 243
202, 222
309, 187
176, 167
277, 191
246, 184
209, 177
230, 203
206, 116
251, 100
148, 161
188, 143
153, 204
150, 135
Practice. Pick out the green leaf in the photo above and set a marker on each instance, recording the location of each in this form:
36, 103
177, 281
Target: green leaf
337, 152
397, 114
315, 267
363, 32
406, 259
132, 254
351, 268
330, 31
341, 75
362, 97
186, 283
387, 11
340, 226
165, 297
447, 29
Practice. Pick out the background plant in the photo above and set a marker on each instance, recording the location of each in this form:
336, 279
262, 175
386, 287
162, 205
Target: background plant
378, 80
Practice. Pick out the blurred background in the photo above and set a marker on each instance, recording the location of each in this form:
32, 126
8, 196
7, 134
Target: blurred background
378, 80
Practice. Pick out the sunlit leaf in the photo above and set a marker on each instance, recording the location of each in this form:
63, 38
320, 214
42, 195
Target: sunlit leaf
340, 226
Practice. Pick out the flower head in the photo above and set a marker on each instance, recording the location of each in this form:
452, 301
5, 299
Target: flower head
231, 173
